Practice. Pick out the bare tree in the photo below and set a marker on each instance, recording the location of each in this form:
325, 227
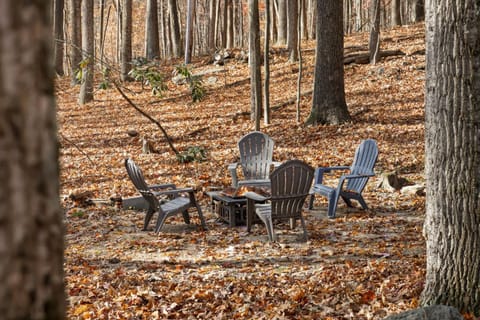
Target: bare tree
59, 38
76, 38
292, 38
126, 49
86, 90
329, 105
152, 45
282, 21
254, 62
175, 26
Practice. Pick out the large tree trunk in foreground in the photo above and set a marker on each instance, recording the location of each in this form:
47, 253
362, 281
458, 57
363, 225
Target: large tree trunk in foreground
31, 233
329, 105
452, 225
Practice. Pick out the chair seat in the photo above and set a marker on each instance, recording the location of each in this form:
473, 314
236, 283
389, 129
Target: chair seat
176, 204
323, 189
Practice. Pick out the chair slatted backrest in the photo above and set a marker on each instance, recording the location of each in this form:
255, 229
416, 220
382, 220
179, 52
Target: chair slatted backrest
256, 153
138, 180
364, 161
290, 185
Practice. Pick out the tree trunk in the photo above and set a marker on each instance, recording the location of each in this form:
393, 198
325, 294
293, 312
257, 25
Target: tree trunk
76, 41
329, 106
126, 54
175, 26
292, 39
86, 90
396, 16
254, 62
359, 15
374, 41
211, 26
419, 10
31, 230
189, 31
266, 64
282, 22
59, 40
453, 155
152, 46
229, 17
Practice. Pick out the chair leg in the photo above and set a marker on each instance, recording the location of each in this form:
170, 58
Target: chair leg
305, 234
148, 217
332, 204
186, 217
310, 203
362, 202
160, 222
267, 220
200, 215
348, 202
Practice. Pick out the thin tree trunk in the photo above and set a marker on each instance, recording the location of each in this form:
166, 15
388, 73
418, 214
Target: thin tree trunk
300, 67
76, 41
292, 38
374, 41
189, 31
266, 64
175, 26
282, 22
59, 40
152, 46
254, 61
229, 18
126, 61
211, 26
86, 90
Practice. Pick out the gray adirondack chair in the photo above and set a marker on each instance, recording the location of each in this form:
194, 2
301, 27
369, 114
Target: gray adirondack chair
256, 153
290, 185
351, 185
166, 199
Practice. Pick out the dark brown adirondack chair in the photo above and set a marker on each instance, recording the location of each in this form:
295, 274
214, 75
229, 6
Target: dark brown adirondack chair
290, 185
351, 185
166, 199
256, 153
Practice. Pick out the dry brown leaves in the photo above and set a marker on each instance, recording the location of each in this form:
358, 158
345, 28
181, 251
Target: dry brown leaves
362, 265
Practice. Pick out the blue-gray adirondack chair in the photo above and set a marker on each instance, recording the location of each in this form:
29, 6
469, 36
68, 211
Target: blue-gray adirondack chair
256, 153
351, 185
171, 204
290, 185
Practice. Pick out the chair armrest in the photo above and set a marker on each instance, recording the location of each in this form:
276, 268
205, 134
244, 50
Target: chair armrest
232, 167
174, 191
255, 196
352, 176
162, 186
319, 171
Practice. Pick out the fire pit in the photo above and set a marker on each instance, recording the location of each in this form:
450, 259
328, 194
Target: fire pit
229, 204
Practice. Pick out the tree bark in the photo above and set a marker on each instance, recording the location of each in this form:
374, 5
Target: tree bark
211, 26
59, 40
254, 62
31, 230
175, 26
229, 17
152, 45
76, 41
282, 22
126, 54
329, 105
374, 40
189, 31
292, 38
266, 64
452, 224
86, 90
396, 16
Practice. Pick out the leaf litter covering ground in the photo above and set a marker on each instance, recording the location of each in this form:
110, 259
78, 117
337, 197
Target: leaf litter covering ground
362, 265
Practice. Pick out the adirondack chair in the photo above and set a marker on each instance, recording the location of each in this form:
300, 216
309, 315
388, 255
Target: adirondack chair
290, 185
256, 153
166, 199
350, 186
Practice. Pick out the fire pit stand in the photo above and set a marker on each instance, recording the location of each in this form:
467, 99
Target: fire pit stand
231, 210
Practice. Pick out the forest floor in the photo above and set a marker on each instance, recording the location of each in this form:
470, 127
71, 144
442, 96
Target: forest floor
361, 265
